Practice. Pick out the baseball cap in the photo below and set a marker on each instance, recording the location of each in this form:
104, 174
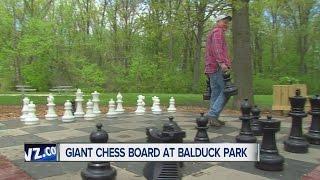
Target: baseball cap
224, 16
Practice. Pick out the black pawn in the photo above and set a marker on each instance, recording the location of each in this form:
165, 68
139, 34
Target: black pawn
270, 160
313, 136
99, 170
202, 135
207, 93
246, 135
297, 143
230, 89
255, 123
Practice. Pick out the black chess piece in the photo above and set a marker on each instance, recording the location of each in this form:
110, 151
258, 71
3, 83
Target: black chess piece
202, 135
170, 133
255, 123
246, 135
230, 89
313, 136
207, 93
297, 143
270, 159
99, 170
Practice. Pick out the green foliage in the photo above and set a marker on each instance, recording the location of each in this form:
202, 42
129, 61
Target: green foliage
288, 80
263, 85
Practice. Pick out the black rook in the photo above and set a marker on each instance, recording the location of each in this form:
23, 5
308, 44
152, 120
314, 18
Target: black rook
296, 143
99, 170
270, 160
313, 136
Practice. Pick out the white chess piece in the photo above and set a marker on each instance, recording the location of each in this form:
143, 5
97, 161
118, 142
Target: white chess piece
24, 110
51, 114
141, 97
96, 100
111, 111
119, 109
79, 99
89, 115
153, 102
157, 108
31, 117
67, 116
172, 107
140, 110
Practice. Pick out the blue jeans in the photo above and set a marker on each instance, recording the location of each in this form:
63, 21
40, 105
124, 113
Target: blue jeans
218, 99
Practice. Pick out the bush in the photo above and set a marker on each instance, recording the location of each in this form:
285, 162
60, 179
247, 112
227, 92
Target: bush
263, 85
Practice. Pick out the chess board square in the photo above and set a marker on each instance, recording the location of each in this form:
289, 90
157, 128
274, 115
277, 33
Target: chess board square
12, 132
132, 125
106, 128
313, 155
191, 134
78, 139
36, 130
11, 124
219, 172
79, 124
21, 139
292, 169
224, 129
223, 139
40, 170
126, 136
13, 152
62, 134
66, 176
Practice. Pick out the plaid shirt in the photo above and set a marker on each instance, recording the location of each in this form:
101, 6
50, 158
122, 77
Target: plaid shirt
216, 51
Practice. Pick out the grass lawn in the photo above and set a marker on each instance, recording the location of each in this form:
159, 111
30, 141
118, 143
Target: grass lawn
263, 101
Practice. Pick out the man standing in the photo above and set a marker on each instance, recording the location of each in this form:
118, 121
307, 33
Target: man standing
217, 62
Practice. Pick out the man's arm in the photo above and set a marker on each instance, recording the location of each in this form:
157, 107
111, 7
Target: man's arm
218, 40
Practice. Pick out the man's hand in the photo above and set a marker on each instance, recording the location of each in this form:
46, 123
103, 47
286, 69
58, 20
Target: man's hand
224, 67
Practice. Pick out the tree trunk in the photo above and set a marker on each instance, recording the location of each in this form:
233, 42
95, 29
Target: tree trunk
259, 52
242, 65
197, 57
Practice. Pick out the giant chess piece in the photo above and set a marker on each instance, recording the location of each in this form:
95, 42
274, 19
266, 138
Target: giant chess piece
207, 94
170, 133
51, 114
67, 116
270, 160
96, 100
157, 108
202, 135
255, 123
297, 143
230, 89
24, 110
119, 108
246, 135
142, 98
99, 170
79, 99
313, 136
172, 107
111, 112
140, 110
89, 114
153, 102
31, 118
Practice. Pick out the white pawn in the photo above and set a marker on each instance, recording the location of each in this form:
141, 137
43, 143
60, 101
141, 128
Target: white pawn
119, 109
172, 108
157, 108
153, 102
140, 110
51, 114
31, 117
96, 100
111, 112
79, 110
89, 115
142, 103
24, 110
67, 116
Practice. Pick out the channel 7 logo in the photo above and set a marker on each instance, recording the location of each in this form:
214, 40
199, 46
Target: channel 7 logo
40, 152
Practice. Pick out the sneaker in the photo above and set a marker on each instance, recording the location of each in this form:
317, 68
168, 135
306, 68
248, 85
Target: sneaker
221, 122
214, 122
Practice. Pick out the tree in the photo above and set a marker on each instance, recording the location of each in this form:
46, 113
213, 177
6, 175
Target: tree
242, 64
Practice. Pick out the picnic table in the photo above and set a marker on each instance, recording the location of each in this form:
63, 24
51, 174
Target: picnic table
60, 89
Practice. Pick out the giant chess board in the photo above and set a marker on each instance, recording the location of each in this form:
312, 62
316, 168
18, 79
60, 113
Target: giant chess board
129, 127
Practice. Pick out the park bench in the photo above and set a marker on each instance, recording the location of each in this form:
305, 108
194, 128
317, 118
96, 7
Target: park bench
60, 89
25, 88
